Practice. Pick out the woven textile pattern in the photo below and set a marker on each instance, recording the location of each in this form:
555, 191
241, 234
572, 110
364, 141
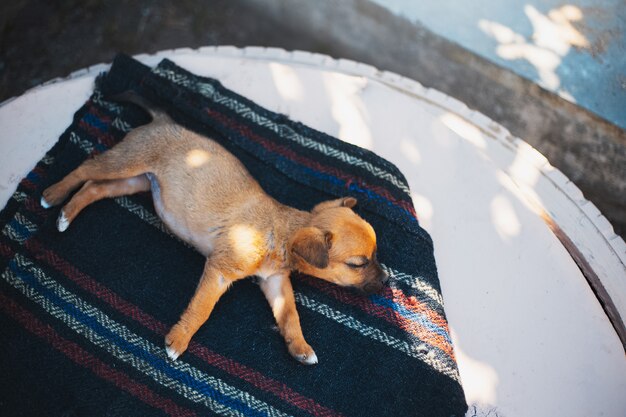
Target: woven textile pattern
84, 313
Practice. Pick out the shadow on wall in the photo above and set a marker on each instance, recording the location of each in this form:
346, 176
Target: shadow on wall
575, 49
553, 37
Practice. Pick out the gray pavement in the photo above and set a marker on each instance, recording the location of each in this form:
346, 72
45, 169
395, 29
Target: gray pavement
40, 40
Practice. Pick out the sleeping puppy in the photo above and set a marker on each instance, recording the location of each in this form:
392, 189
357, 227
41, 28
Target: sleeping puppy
206, 197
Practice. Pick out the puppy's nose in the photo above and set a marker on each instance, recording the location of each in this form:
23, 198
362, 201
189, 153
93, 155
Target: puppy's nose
372, 288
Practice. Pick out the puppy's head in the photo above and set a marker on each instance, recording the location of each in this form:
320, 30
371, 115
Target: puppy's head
338, 246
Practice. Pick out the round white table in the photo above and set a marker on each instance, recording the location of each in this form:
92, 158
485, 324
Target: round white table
530, 335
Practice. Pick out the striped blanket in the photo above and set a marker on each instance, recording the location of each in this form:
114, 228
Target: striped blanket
84, 313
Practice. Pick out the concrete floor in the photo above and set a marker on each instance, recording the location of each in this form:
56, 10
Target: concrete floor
40, 40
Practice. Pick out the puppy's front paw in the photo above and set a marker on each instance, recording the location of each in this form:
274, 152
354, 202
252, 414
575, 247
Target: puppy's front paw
62, 222
176, 342
303, 353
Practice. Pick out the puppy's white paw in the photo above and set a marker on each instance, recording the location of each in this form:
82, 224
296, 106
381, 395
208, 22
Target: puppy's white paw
44, 203
62, 222
310, 359
171, 353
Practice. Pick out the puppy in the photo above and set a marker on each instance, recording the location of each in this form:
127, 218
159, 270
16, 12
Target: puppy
206, 197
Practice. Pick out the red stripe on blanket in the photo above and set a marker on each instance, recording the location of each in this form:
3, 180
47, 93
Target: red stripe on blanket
384, 313
285, 151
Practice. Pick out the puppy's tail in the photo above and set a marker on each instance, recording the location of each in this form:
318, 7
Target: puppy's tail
130, 96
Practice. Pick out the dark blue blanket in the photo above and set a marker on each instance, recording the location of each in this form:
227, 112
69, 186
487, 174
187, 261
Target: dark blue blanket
84, 313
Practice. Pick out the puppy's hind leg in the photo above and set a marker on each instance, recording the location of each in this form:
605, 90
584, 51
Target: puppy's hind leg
93, 191
125, 160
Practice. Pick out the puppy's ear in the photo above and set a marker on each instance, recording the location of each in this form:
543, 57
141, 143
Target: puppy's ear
340, 202
312, 245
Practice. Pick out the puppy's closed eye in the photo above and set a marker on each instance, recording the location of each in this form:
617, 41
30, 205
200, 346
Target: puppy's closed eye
357, 262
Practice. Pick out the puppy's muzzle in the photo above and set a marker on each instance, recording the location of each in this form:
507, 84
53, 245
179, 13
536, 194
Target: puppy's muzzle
377, 278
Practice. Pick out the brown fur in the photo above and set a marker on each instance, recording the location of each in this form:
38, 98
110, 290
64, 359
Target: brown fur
207, 198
